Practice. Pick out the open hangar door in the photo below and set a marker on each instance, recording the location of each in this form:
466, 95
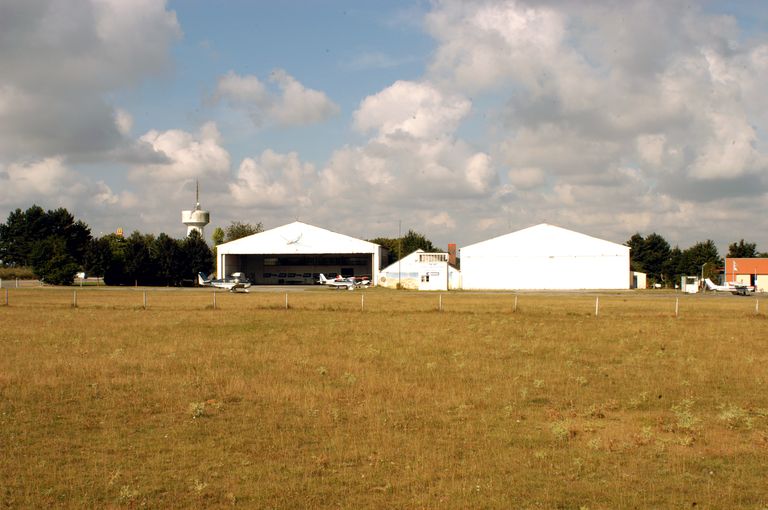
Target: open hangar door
299, 269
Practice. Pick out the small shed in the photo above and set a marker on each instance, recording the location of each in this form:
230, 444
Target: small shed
638, 280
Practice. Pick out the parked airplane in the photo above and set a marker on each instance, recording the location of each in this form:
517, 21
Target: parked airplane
338, 283
740, 289
237, 281
361, 281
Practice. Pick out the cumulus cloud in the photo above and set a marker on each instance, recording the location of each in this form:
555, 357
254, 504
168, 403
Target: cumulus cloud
59, 62
275, 181
416, 109
188, 156
286, 103
646, 110
413, 153
38, 181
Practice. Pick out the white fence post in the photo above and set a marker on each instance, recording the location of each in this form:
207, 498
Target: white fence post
677, 307
362, 302
145, 299
74, 299
286, 300
214, 299
515, 309
597, 306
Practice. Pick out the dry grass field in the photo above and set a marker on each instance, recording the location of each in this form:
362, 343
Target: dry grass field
376, 399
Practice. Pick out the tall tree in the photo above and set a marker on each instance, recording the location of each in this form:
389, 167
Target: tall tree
237, 230
671, 268
636, 245
649, 255
701, 257
140, 267
218, 236
407, 244
166, 253
28, 237
742, 249
52, 263
196, 255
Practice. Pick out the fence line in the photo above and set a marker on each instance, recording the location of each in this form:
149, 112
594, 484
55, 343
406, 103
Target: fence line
465, 302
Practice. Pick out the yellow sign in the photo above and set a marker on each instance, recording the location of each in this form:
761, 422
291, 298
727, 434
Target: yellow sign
120, 231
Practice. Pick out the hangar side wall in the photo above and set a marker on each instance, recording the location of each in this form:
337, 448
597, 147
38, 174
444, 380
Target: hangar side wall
498, 272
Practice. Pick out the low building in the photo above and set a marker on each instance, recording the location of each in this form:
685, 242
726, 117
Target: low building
638, 280
423, 271
752, 272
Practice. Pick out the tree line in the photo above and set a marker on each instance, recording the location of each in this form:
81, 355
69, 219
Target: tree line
56, 247
398, 247
665, 265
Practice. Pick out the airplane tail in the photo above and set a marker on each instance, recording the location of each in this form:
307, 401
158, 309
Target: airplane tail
202, 279
710, 285
323, 279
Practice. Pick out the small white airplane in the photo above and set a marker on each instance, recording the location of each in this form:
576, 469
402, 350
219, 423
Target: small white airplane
338, 283
361, 281
739, 289
237, 281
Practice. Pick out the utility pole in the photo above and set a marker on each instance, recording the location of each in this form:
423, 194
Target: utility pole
399, 253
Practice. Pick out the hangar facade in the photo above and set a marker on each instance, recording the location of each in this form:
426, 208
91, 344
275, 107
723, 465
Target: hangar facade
545, 257
297, 253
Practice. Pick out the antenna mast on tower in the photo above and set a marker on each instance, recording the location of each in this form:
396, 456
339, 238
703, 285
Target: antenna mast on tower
196, 219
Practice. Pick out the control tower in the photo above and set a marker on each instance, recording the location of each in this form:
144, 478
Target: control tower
196, 219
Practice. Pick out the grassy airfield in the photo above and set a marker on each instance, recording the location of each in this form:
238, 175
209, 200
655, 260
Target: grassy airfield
376, 399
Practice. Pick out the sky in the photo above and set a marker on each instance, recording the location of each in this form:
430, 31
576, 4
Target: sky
461, 120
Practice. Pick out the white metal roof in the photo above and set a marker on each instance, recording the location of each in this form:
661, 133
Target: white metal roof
297, 238
545, 241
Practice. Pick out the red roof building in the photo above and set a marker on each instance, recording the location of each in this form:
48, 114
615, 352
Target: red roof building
749, 271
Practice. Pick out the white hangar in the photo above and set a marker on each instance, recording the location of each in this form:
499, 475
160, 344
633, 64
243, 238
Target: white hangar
297, 253
545, 257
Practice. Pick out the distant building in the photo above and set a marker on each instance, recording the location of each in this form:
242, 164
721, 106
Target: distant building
423, 271
297, 253
545, 257
753, 272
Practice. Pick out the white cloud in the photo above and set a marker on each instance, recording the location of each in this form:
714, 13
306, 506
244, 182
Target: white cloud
61, 59
288, 103
416, 109
242, 90
189, 156
40, 181
123, 122
298, 105
273, 181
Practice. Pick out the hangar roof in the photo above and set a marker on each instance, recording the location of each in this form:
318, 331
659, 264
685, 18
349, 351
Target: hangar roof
297, 238
544, 240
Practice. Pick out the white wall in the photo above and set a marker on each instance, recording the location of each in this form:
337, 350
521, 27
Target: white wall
541, 272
